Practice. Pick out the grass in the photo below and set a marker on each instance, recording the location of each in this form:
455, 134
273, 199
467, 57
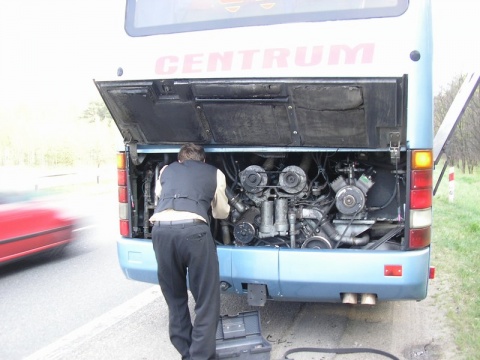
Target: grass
456, 256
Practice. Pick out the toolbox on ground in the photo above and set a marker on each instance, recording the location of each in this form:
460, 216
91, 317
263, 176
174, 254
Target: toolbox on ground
239, 337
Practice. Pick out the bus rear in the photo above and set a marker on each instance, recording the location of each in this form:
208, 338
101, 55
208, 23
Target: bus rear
320, 115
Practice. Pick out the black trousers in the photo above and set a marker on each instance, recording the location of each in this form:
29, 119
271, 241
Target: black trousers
179, 248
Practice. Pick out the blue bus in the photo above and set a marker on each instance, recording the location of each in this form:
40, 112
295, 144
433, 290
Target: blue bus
320, 115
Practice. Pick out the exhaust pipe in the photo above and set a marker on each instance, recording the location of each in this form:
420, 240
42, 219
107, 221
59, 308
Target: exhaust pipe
349, 298
365, 299
368, 299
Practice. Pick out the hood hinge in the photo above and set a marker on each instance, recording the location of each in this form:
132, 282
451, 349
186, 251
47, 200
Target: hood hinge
132, 151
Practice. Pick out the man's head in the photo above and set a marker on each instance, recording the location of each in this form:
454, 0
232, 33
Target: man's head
191, 151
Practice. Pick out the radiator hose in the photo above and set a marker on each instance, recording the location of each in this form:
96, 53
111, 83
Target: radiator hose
309, 213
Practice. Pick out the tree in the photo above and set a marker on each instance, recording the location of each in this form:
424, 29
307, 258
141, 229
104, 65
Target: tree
464, 144
97, 111
100, 136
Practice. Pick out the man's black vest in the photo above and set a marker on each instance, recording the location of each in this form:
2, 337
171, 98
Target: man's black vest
188, 186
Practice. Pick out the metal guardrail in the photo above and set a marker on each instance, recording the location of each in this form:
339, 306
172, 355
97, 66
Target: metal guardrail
27, 179
71, 179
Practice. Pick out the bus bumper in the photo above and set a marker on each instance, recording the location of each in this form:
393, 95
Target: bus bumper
137, 259
303, 274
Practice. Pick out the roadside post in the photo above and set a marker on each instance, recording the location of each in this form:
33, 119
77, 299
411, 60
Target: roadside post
451, 184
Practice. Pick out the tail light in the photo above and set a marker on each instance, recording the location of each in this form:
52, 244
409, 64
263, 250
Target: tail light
123, 194
421, 183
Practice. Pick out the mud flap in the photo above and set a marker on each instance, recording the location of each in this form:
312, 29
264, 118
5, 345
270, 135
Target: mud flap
257, 294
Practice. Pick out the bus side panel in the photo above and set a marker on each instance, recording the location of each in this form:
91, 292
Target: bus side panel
420, 92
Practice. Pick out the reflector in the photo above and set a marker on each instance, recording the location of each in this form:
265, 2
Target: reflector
393, 270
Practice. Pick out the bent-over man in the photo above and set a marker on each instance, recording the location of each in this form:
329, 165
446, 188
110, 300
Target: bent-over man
182, 242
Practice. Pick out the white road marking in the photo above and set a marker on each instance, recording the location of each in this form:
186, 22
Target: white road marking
84, 228
63, 346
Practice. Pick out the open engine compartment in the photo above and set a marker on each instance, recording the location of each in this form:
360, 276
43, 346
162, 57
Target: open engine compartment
310, 162
305, 199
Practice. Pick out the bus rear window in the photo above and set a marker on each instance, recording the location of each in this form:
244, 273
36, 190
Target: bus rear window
151, 17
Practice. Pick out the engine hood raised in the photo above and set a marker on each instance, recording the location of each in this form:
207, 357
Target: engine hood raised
336, 113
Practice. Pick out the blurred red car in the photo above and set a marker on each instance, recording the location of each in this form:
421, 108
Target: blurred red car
29, 226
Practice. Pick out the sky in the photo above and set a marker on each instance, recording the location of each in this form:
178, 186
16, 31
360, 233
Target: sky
48, 47
456, 39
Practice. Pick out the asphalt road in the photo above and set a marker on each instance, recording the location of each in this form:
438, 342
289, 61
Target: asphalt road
79, 306
46, 297
137, 329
